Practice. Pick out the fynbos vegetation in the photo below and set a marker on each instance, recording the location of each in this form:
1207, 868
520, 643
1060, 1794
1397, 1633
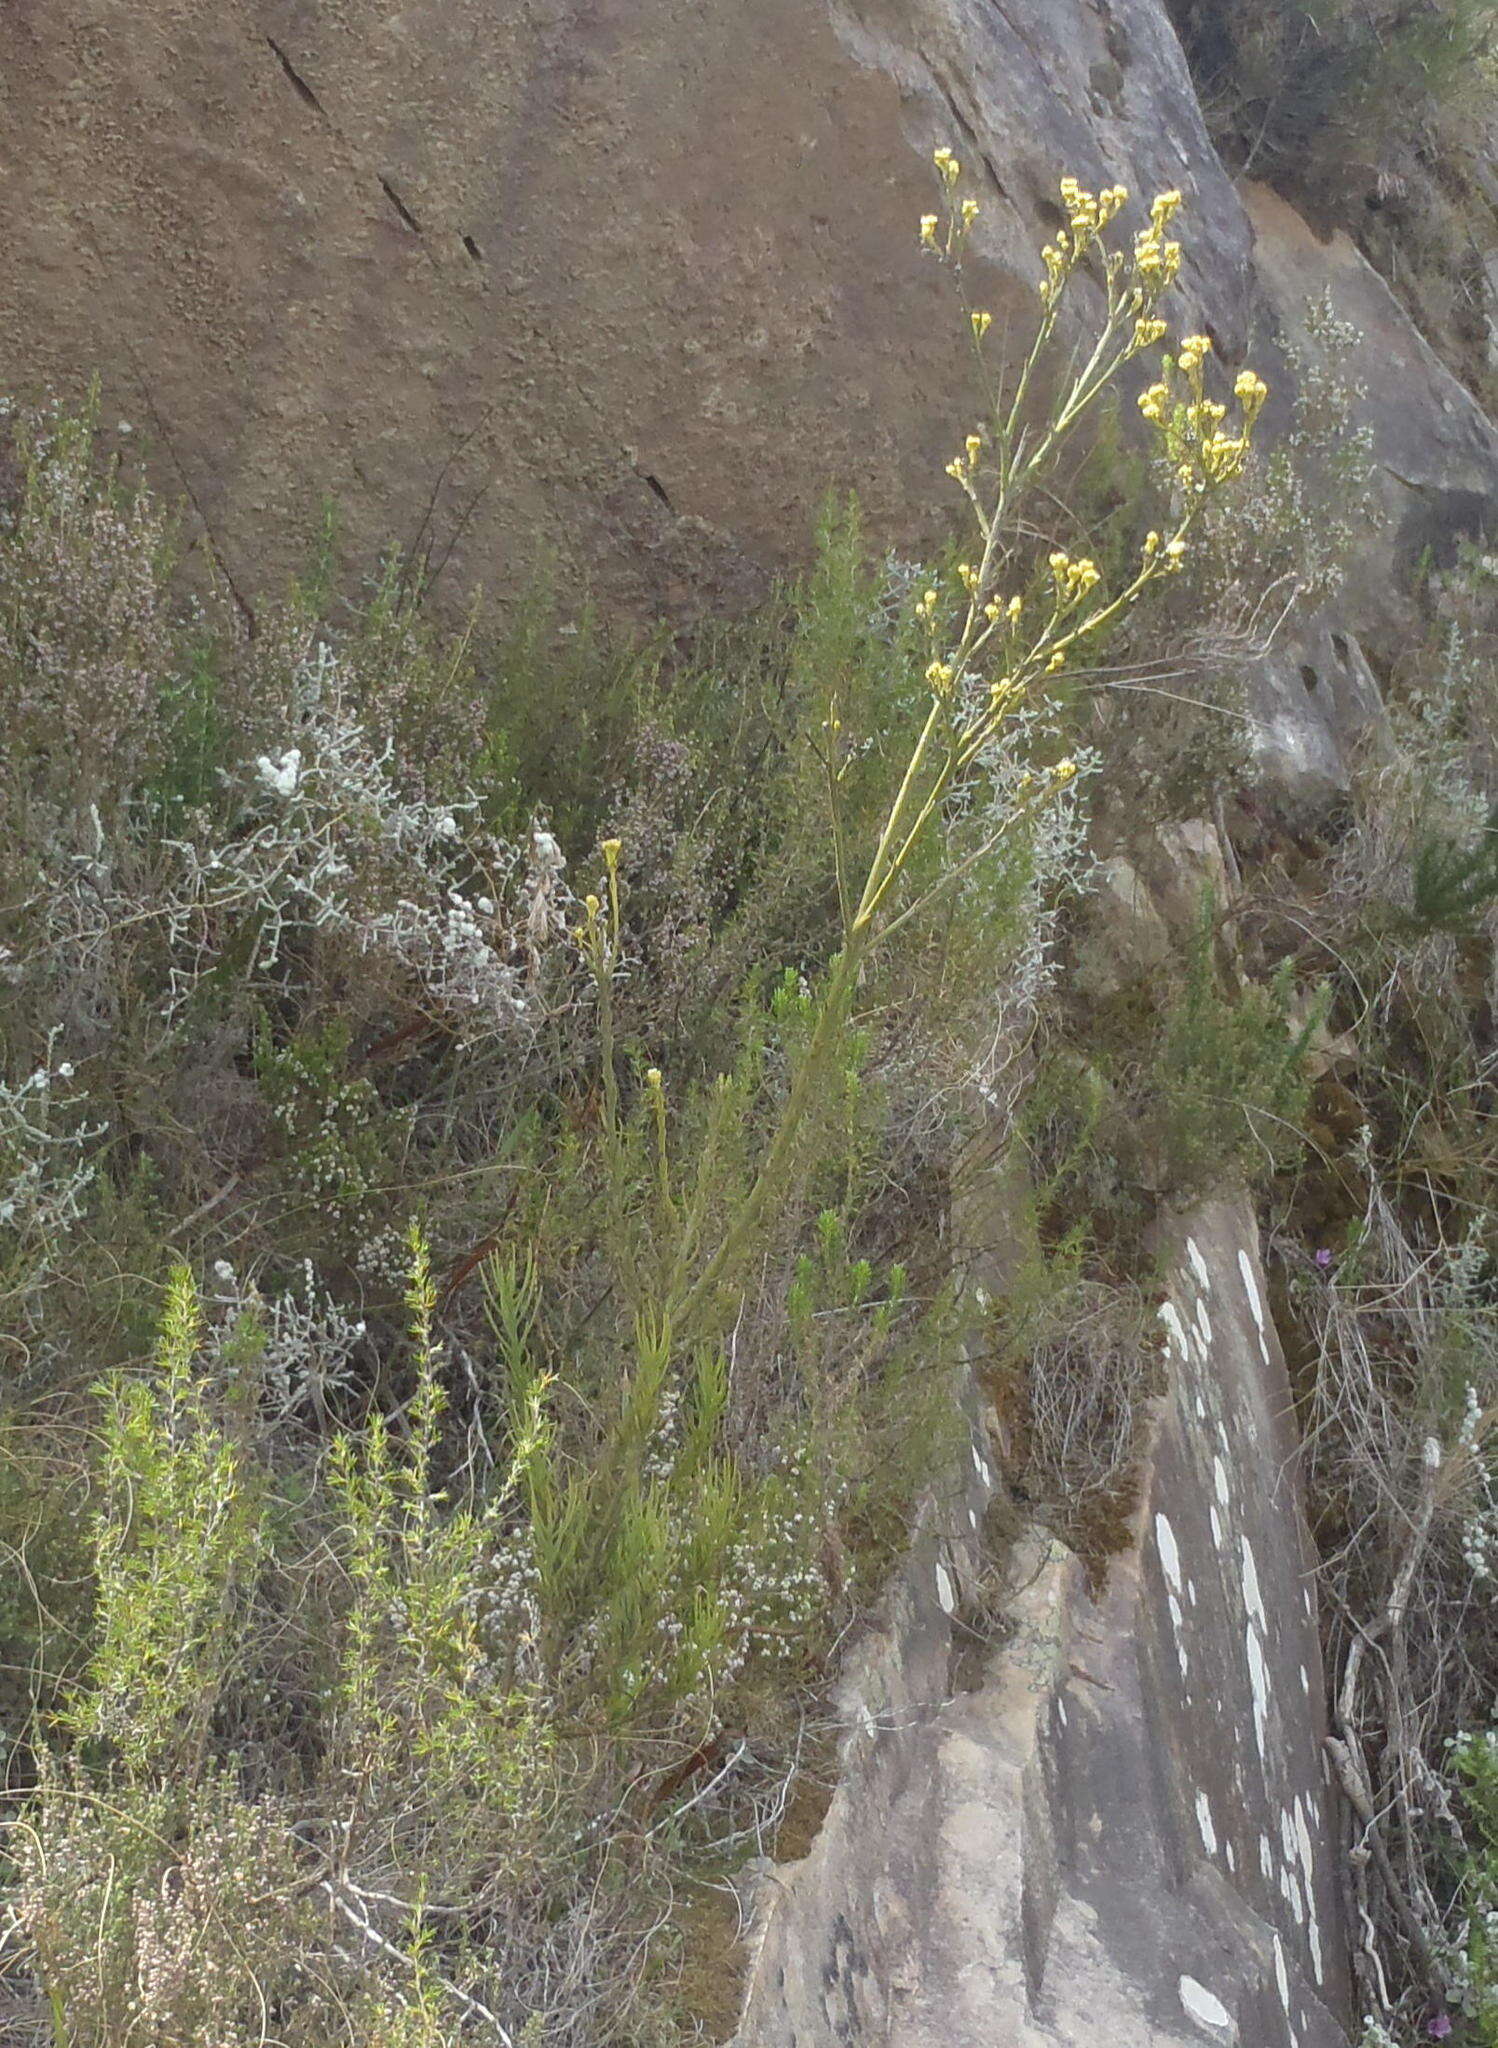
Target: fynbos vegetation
477, 1306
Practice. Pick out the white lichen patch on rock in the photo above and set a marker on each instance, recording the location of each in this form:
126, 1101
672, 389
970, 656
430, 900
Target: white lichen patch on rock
1205, 1827
1175, 1332
1205, 2007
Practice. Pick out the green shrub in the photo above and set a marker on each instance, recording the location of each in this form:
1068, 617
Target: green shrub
1228, 1080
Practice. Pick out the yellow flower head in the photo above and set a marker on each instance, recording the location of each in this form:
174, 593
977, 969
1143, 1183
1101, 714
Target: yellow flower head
1163, 211
652, 1077
974, 447
1064, 770
1250, 392
612, 848
967, 576
1194, 351
592, 905
947, 165
939, 676
928, 230
981, 324
1153, 402
968, 212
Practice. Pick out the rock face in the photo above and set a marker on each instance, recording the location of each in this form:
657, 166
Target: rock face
629, 281
1116, 1831
631, 284
1435, 452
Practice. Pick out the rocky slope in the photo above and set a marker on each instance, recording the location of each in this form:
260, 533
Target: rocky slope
630, 283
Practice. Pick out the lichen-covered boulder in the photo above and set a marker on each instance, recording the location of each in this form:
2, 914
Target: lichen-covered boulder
1118, 1828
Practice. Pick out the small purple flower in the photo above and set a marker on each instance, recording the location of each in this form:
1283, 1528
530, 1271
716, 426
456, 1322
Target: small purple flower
1323, 1260
1439, 2027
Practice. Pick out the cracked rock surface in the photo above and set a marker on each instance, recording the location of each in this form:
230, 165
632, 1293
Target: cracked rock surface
625, 285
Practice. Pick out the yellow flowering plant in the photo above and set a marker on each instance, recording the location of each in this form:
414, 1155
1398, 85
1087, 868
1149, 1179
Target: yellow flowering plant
988, 658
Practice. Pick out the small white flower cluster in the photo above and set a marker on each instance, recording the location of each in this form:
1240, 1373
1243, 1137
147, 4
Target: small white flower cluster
506, 1611
1480, 1528
297, 1349
775, 1592
386, 1255
281, 777
661, 1453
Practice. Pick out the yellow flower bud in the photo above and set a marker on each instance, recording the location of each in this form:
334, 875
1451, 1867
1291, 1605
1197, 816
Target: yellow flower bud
592, 905
612, 848
981, 324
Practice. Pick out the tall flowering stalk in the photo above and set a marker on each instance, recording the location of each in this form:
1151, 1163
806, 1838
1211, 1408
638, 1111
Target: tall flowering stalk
990, 652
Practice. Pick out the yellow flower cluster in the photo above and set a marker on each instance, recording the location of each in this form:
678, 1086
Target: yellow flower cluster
1250, 391
1198, 445
1157, 259
1073, 578
963, 466
959, 218
1201, 444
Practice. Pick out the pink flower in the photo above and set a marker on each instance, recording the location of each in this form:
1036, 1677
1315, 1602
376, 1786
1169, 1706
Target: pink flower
1439, 2027
1324, 1260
